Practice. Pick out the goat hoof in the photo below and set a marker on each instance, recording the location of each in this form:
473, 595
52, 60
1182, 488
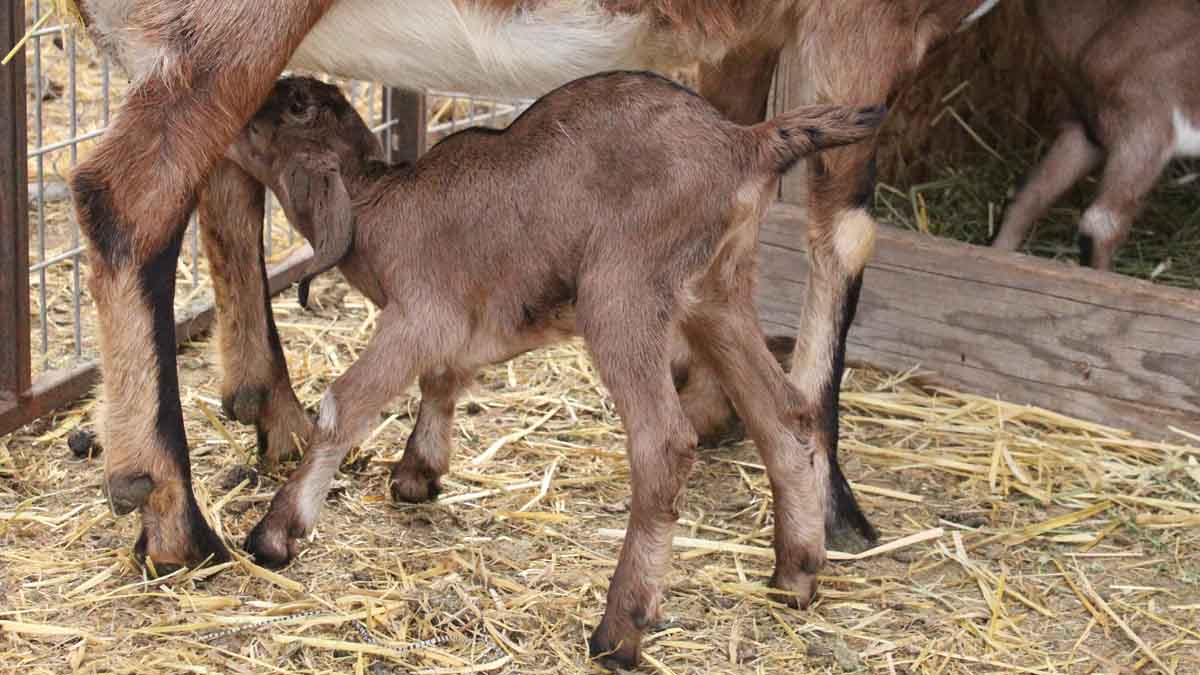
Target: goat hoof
271, 547
842, 536
127, 494
245, 404
414, 487
801, 589
165, 546
612, 654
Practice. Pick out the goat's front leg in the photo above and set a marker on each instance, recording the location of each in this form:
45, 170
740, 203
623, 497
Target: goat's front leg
417, 477
382, 372
132, 197
630, 353
1069, 159
255, 387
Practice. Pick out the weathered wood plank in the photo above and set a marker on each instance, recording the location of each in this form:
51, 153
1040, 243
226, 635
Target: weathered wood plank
1099, 346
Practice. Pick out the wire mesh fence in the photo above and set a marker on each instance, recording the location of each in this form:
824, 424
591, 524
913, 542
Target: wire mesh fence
72, 93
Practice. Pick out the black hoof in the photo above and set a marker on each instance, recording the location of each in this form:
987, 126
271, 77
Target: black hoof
201, 547
610, 656
270, 549
245, 405
414, 489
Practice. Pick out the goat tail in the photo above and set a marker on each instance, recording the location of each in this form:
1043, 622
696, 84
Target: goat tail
792, 136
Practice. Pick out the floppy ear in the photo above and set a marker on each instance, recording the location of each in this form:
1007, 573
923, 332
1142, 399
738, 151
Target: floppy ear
314, 197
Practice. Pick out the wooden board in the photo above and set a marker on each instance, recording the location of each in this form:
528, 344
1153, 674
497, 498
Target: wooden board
1098, 346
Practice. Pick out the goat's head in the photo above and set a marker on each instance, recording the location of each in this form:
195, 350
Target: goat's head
301, 143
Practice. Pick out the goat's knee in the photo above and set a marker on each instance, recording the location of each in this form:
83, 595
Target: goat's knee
1101, 232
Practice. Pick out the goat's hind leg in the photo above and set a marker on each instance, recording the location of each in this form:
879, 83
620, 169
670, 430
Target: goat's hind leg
776, 417
417, 477
630, 353
255, 387
1069, 159
1135, 160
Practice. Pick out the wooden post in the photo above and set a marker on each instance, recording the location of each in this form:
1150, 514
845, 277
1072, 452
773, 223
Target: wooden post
404, 141
789, 92
14, 224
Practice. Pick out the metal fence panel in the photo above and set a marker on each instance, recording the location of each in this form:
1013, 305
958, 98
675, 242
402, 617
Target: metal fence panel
66, 98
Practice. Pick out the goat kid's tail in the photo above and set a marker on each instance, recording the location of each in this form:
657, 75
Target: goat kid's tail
794, 135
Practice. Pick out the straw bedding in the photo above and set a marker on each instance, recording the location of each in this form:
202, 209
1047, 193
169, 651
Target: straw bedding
1030, 542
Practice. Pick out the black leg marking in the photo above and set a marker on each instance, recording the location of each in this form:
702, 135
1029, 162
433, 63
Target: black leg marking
158, 285
1087, 250
865, 196
846, 513
93, 198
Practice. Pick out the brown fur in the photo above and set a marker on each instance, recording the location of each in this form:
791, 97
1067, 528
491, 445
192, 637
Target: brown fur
255, 388
1127, 65
626, 258
201, 67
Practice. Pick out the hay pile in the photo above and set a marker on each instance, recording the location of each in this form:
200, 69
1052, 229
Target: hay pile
1037, 543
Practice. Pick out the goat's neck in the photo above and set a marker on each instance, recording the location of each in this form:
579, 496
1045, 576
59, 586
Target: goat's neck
363, 176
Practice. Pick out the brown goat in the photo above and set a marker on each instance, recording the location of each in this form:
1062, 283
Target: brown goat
620, 207
200, 69
1132, 69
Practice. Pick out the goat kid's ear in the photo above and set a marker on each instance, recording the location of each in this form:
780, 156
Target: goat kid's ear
316, 199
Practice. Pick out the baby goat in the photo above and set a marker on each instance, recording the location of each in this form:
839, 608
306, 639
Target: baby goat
620, 207
1132, 69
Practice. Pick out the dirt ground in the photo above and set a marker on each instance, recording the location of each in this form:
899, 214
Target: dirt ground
1042, 544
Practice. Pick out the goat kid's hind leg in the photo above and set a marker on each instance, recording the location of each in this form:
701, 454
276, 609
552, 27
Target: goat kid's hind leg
132, 199
776, 417
631, 356
255, 387
417, 477
737, 86
1069, 159
1134, 163
382, 372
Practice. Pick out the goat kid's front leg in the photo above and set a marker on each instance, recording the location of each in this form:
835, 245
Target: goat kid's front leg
417, 477
132, 200
381, 373
255, 387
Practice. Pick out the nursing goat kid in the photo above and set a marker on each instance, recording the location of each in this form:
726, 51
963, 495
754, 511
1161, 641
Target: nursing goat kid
199, 69
620, 207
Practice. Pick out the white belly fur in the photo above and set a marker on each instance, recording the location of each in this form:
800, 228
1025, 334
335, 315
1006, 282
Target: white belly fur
1187, 136
445, 44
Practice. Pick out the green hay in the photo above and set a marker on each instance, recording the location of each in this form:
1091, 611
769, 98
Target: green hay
965, 198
